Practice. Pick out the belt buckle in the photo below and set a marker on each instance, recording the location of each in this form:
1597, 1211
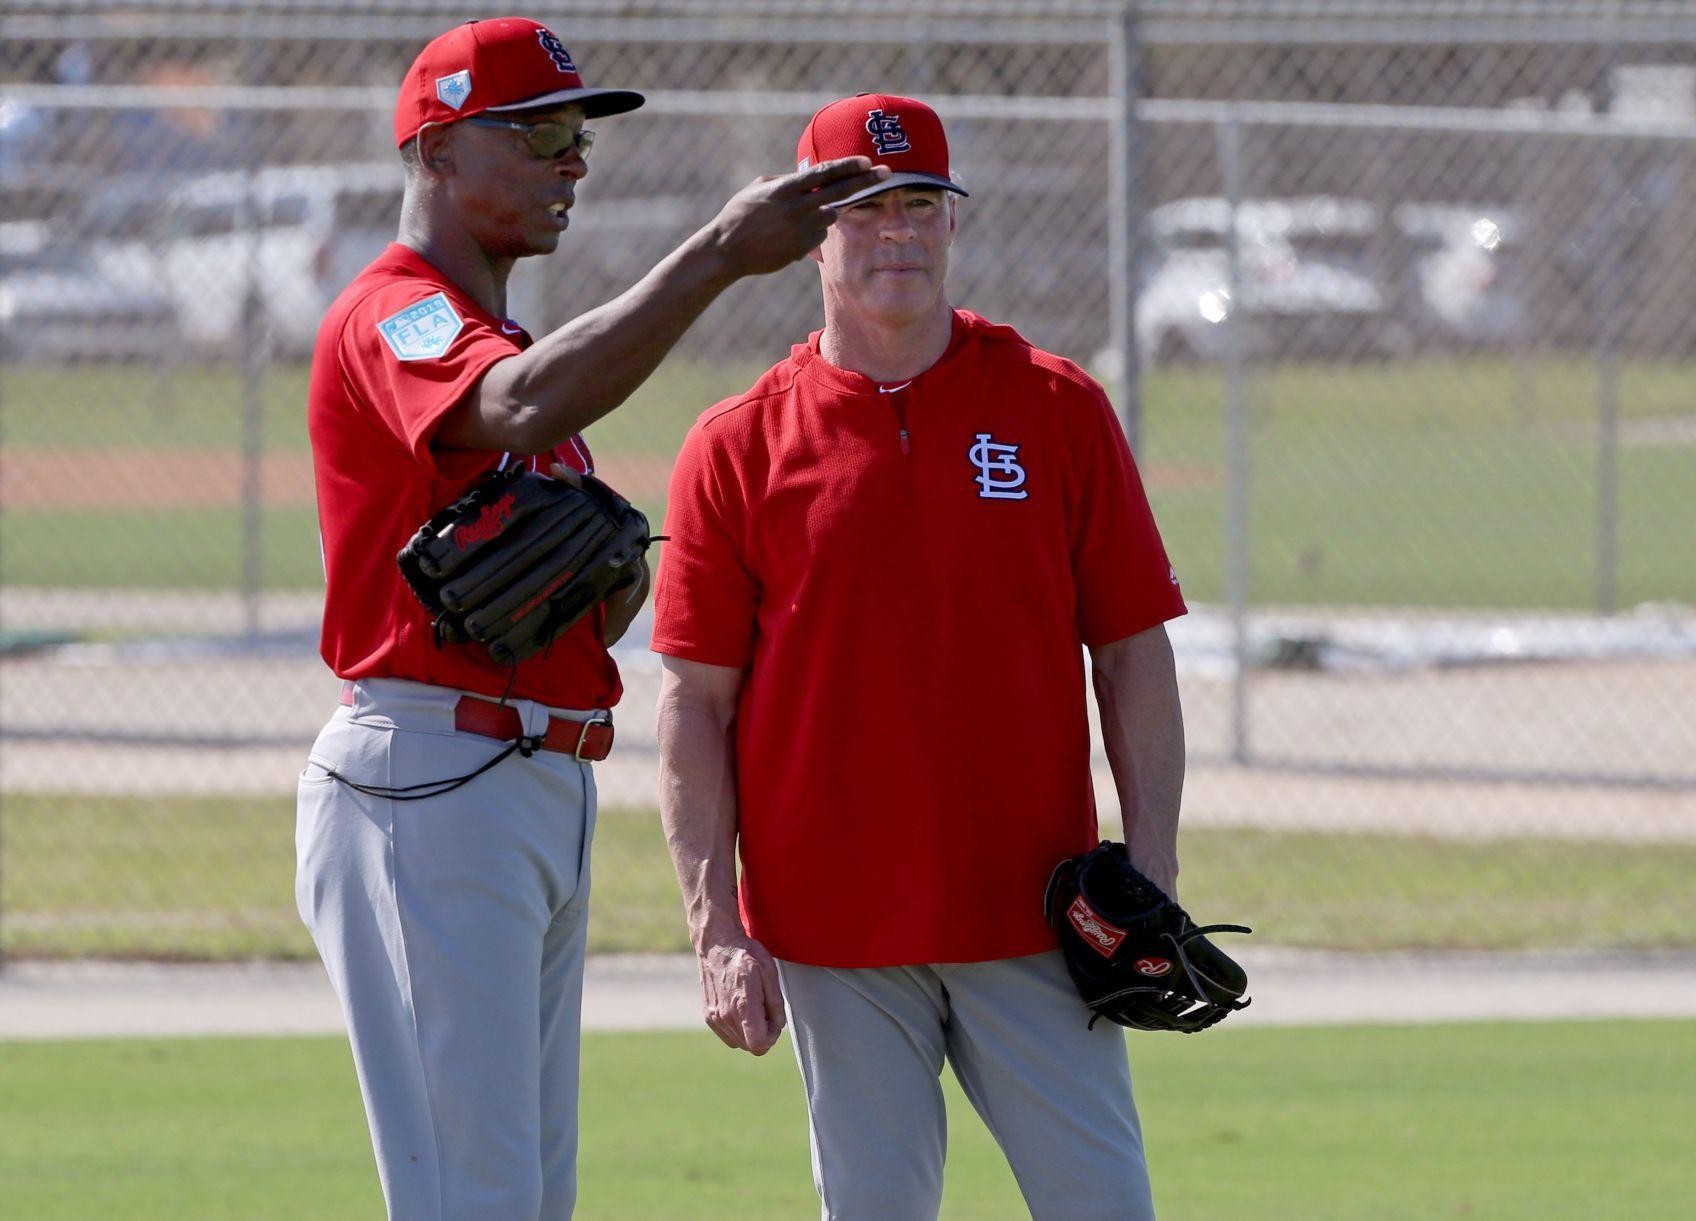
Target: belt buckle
583, 736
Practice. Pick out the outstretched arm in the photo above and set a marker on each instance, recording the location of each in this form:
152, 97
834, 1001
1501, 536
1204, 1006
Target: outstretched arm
741, 998
571, 377
1142, 727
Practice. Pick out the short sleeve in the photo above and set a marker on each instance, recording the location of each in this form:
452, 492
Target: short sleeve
705, 597
412, 358
1125, 582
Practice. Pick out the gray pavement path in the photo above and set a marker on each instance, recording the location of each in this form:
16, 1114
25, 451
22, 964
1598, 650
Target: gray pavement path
40, 1000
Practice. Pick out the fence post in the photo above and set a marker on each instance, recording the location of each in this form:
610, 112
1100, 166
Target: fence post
1612, 303
1228, 134
3, 354
1125, 216
255, 355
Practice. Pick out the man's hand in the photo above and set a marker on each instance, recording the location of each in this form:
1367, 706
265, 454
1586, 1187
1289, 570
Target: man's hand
740, 996
777, 219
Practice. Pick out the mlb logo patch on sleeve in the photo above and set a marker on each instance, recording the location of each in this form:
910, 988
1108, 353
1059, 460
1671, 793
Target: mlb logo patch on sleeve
422, 331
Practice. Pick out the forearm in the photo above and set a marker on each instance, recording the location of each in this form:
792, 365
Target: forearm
1142, 729
576, 374
698, 809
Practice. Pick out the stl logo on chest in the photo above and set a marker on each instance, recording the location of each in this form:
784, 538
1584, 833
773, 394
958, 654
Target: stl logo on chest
1000, 477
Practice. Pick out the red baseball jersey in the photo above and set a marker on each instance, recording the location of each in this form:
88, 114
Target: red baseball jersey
910, 574
398, 349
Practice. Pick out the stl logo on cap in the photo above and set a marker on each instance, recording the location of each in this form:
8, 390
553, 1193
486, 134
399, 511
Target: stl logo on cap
556, 50
454, 89
902, 133
886, 133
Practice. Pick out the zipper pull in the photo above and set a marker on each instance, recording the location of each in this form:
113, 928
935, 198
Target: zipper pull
900, 411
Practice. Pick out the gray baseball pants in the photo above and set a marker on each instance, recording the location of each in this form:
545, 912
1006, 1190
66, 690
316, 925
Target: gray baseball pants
1055, 1095
453, 930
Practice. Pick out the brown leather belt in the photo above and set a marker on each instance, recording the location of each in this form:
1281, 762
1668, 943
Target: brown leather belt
589, 740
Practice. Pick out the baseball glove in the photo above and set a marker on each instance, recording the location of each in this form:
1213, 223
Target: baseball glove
1135, 955
522, 557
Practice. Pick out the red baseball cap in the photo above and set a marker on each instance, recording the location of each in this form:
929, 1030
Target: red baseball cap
509, 63
902, 133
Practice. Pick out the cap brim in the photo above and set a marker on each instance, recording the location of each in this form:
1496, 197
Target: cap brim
903, 180
596, 103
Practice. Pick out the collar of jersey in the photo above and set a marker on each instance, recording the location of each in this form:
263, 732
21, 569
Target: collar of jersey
405, 259
814, 366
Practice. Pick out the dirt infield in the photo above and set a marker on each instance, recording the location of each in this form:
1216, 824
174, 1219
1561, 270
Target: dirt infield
149, 479
35, 479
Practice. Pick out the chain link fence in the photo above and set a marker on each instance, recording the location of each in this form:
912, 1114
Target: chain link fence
1396, 302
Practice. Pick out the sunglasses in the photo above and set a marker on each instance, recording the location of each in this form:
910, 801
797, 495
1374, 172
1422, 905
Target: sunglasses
546, 139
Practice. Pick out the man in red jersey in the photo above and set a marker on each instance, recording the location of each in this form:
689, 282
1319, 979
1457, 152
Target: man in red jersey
886, 562
448, 898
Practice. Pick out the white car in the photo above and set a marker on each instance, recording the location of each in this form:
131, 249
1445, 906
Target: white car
57, 307
1308, 279
1464, 258
289, 238
283, 239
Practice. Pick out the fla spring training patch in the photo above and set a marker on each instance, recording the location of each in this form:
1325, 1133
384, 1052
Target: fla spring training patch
422, 331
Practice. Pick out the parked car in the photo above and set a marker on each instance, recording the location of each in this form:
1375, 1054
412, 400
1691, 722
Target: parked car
285, 239
1464, 260
57, 306
1310, 280
296, 235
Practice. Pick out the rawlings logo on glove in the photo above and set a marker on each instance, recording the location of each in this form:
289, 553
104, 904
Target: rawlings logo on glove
1136, 956
521, 557
1097, 933
491, 520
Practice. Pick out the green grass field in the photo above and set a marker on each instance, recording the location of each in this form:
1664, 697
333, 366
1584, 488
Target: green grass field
1432, 483
212, 878
1512, 1122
